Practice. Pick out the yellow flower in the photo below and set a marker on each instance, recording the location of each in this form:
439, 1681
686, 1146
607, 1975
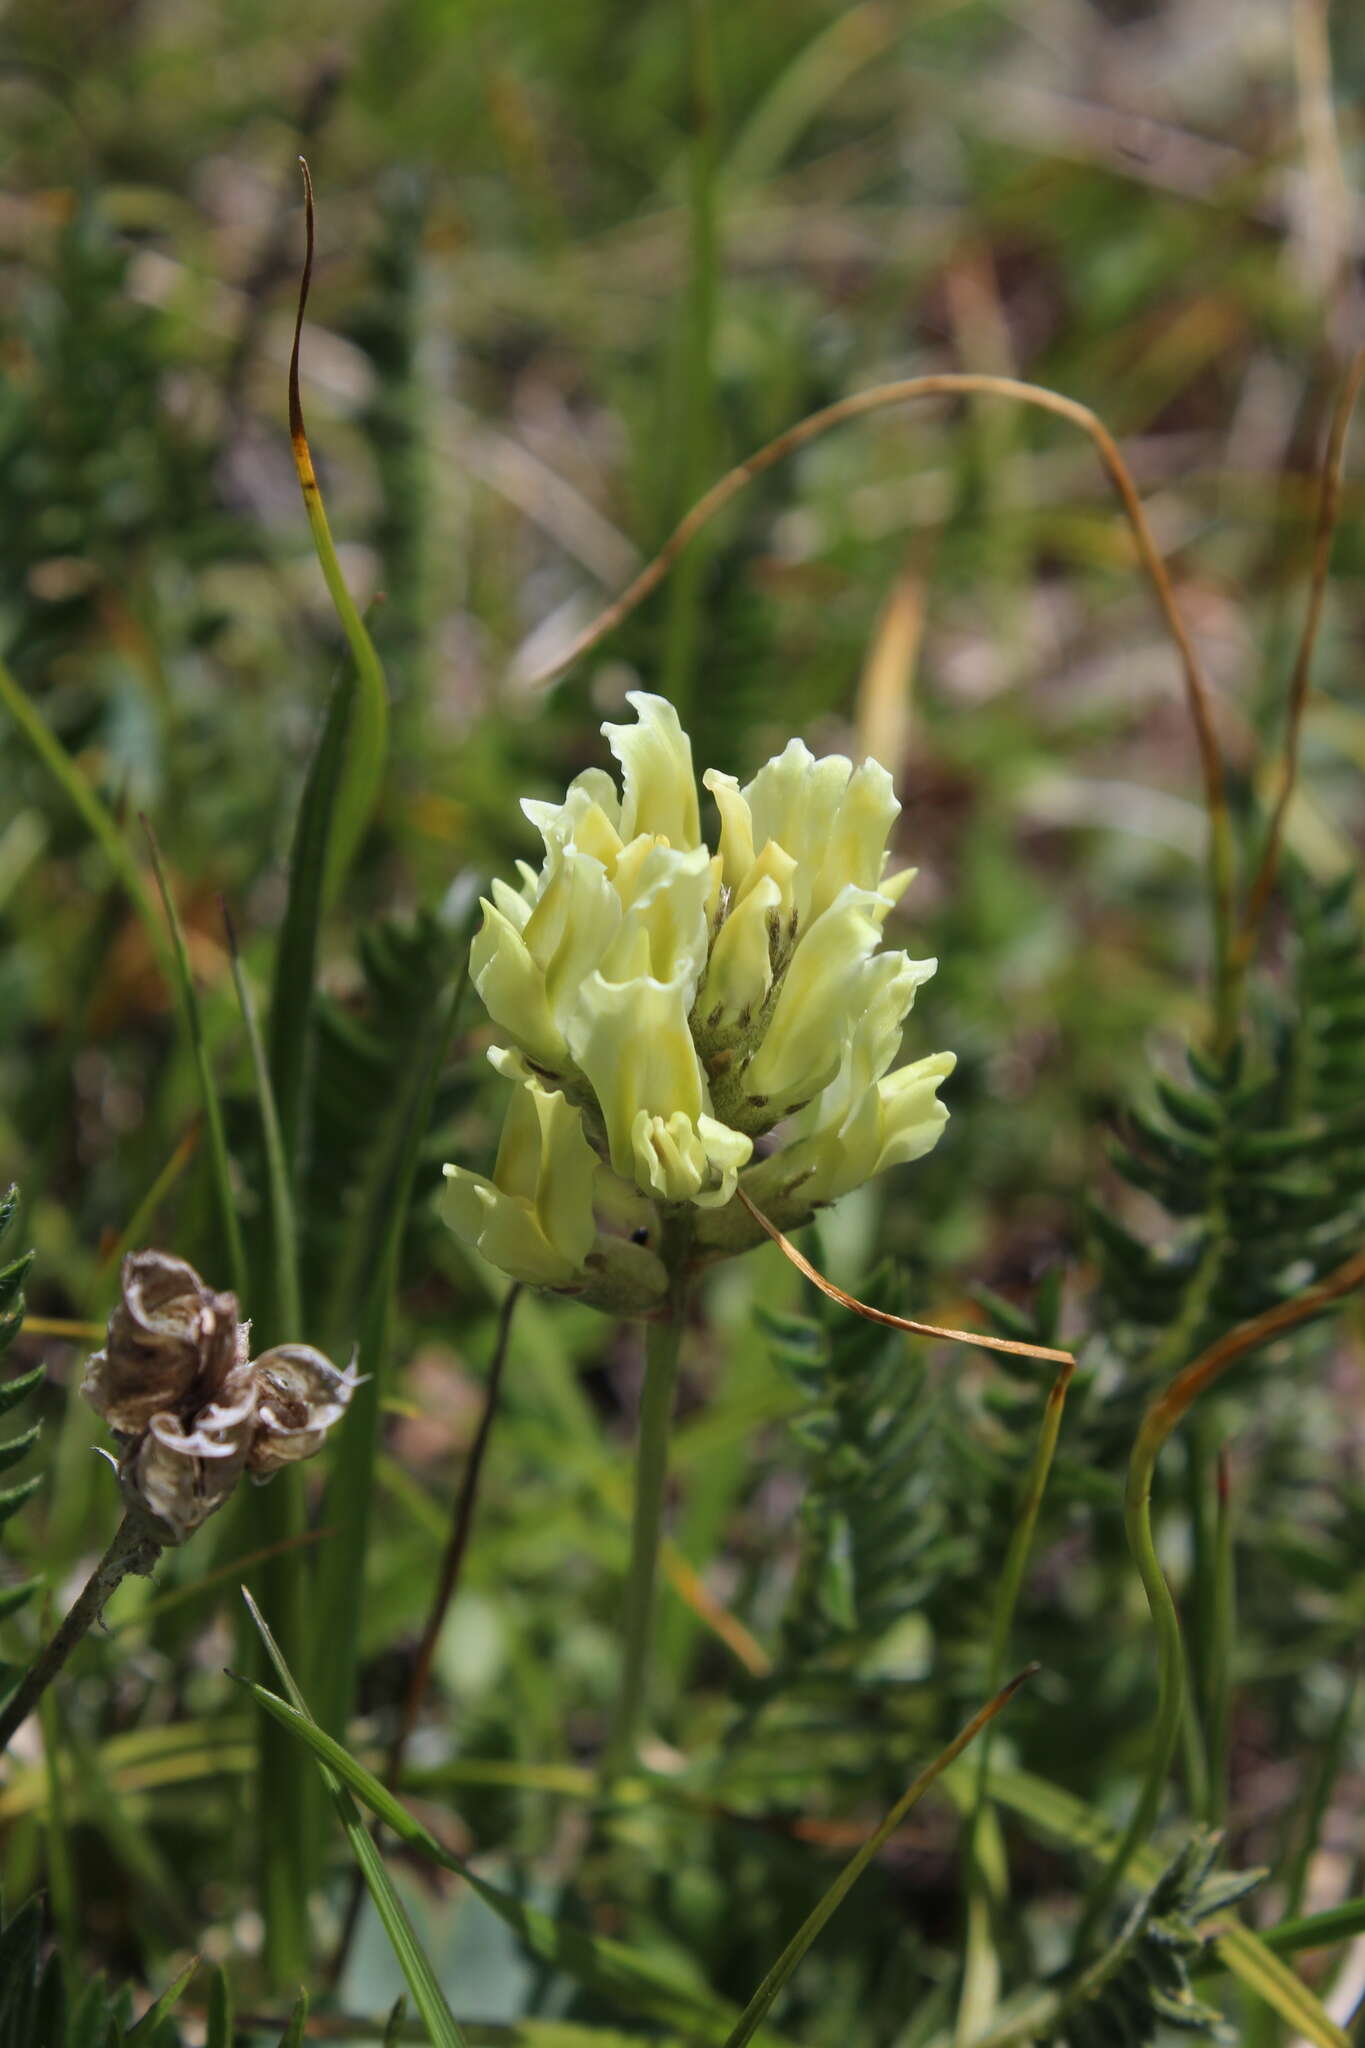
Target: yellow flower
534, 1218
670, 1005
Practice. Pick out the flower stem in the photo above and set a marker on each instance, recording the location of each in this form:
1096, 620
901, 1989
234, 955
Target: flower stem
134, 1549
663, 1341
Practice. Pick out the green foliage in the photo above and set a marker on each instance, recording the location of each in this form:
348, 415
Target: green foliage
1141, 1985
1257, 1161
877, 1529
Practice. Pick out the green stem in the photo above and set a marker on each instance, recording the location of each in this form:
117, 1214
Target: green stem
133, 1549
208, 1087
1170, 1669
1222, 1632
290, 1818
977, 1979
663, 1342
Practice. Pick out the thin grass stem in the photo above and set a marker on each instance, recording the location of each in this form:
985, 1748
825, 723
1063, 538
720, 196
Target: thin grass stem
1160, 1420
219, 1161
977, 1975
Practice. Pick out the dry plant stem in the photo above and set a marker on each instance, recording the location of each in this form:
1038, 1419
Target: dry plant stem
458, 1544
1160, 1420
884, 1316
663, 1342
1329, 511
133, 1549
957, 384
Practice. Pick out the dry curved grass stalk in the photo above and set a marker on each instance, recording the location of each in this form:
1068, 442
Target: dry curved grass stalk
1329, 511
812, 1273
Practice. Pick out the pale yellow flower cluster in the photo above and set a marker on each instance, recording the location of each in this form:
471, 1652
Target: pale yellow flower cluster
671, 1006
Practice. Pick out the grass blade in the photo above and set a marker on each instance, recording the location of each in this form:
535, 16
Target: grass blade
362, 773
290, 1824
980, 1971
292, 2037
284, 1321
756, 2011
292, 989
208, 1087
94, 812
421, 1978
165, 2005
219, 2025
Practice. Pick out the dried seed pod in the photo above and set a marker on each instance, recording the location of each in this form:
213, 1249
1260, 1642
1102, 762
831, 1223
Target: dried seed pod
299, 1395
170, 1340
190, 1407
179, 1475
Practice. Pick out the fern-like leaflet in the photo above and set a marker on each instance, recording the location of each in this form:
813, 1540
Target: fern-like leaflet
1141, 1986
1257, 1160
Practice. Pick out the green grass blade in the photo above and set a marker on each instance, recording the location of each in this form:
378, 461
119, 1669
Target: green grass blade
756, 2011
138, 1229
96, 816
421, 1978
283, 1323
1317, 1930
362, 773
292, 2037
290, 1839
980, 1970
183, 981
219, 2022
165, 2005
293, 985
349, 1498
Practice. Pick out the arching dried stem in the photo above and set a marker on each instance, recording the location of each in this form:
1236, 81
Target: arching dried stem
881, 1315
957, 384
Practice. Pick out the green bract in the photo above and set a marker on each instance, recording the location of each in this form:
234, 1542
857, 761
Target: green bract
671, 1005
